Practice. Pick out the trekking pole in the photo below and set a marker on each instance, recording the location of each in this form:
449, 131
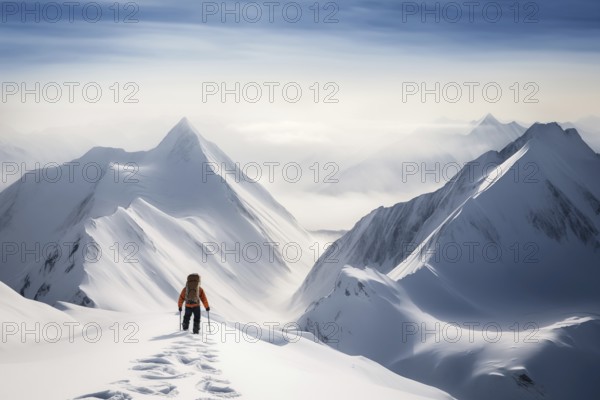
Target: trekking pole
209, 327
179, 320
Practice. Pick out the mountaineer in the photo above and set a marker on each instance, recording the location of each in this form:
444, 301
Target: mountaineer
192, 294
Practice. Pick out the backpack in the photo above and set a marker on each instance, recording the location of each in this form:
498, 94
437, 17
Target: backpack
192, 289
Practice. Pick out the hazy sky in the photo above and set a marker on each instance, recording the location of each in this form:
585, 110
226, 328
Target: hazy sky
361, 67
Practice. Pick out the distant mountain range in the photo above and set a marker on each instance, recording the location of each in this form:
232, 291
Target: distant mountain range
428, 158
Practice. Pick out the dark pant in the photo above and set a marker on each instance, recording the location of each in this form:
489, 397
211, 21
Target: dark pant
188, 314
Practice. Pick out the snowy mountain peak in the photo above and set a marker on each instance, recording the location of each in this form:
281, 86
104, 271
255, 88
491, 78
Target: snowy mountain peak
174, 209
489, 119
182, 137
494, 132
552, 130
540, 197
550, 136
541, 190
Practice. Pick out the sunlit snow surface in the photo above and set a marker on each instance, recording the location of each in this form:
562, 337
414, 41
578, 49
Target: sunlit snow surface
407, 314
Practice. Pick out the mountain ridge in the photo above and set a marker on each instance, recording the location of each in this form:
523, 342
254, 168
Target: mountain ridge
117, 205
400, 228
495, 294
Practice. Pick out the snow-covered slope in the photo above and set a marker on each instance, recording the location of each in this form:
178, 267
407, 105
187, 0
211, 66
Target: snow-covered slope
142, 356
16, 310
511, 245
121, 231
534, 226
549, 356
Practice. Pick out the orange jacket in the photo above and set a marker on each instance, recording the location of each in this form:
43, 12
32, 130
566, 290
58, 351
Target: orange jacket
202, 298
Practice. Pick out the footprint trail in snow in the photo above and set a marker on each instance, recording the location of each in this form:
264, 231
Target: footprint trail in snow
186, 366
